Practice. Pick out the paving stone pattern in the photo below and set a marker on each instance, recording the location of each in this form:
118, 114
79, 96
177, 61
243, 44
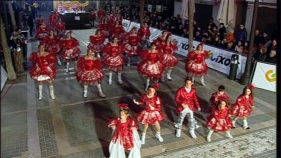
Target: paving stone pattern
47, 139
13, 135
241, 146
79, 124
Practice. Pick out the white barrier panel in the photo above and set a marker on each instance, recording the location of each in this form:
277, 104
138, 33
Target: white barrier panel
4, 77
219, 59
265, 76
126, 24
134, 24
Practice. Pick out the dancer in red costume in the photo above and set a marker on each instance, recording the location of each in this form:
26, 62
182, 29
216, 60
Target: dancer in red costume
42, 31
117, 31
53, 19
70, 50
186, 100
151, 67
218, 95
152, 112
243, 106
104, 28
113, 60
168, 58
89, 71
196, 65
60, 27
96, 43
219, 120
132, 45
39, 21
51, 43
144, 34
101, 14
161, 39
125, 136
43, 69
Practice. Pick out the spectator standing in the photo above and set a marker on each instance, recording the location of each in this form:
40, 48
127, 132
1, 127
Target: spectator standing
261, 55
239, 47
241, 34
230, 36
222, 31
266, 40
258, 37
30, 23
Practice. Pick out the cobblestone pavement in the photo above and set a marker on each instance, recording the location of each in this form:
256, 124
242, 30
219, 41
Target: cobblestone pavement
75, 127
255, 144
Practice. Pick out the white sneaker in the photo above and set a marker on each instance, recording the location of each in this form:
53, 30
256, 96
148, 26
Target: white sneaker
85, 95
178, 133
228, 135
192, 133
101, 94
40, 97
53, 96
158, 136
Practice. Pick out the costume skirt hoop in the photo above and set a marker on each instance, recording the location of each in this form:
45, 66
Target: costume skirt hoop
150, 118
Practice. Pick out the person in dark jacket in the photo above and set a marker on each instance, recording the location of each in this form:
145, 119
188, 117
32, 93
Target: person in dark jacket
222, 31
242, 34
30, 24
272, 57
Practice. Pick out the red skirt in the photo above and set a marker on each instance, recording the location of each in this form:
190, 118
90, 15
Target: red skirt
220, 125
70, 53
154, 70
240, 111
113, 63
194, 69
132, 50
41, 36
43, 73
150, 118
89, 76
53, 48
169, 60
96, 47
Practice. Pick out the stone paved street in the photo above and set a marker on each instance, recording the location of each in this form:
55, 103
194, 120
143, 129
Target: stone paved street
75, 127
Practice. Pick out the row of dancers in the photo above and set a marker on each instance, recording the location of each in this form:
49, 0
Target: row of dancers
125, 138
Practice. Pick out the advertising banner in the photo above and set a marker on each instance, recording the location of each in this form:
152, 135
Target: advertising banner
265, 76
219, 60
3, 77
126, 25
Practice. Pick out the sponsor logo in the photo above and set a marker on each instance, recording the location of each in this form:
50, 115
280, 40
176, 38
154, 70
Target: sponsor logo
185, 46
220, 59
270, 76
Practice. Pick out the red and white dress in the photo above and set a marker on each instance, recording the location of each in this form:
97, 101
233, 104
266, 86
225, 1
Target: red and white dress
53, 19
89, 71
143, 33
242, 106
113, 59
104, 29
196, 65
42, 32
132, 46
43, 68
168, 58
60, 27
117, 31
217, 97
70, 49
51, 44
147, 115
96, 43
219, 120
151, 66
125, 137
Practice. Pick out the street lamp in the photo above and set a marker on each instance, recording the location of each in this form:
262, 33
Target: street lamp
247, 73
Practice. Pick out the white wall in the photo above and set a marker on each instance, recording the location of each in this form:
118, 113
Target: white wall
177, 8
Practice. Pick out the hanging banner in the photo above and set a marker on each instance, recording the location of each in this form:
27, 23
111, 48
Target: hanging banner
265, 76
